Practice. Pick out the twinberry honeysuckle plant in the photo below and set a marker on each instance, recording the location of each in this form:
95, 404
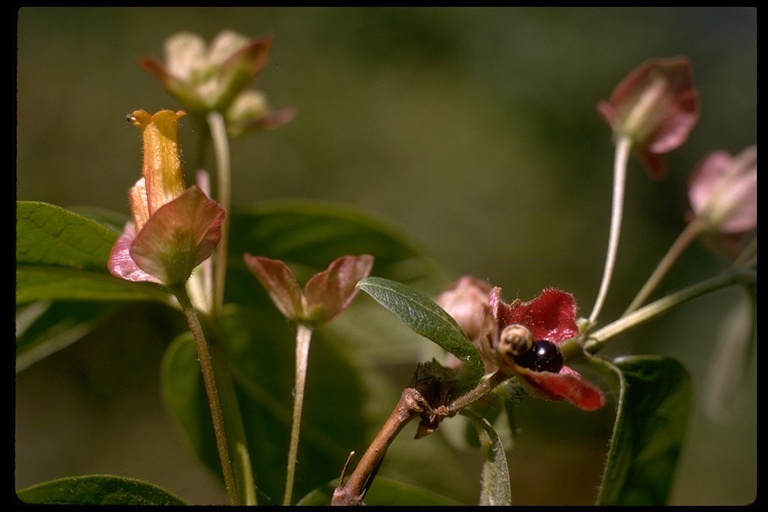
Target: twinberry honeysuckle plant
241, 383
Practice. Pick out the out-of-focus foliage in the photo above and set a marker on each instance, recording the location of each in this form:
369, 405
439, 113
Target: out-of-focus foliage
474, 129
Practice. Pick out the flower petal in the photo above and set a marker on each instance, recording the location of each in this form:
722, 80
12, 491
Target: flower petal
466, 301
550, 316
180, 89
185, 54
724, 189
120, 262
656, 106
566, 385
240, 69
164, 179
179, 236
280, 283
329, 292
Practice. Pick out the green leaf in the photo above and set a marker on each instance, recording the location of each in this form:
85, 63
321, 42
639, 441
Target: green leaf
309, 235
494, 480
260, 359
652, 418
61, 255
97, 490
425, 317
383, 492
43, 328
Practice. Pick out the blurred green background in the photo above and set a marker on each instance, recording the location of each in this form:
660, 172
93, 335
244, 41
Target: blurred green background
474, 129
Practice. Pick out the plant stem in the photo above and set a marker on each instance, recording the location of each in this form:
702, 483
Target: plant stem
224, 182
477, 393
623, 145
665, 304
412, 404
233, 419
352, 492
303, 339
204, 357
688, 235
748, 256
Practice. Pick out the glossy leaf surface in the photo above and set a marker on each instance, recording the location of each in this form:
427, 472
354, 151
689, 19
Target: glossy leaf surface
63, 255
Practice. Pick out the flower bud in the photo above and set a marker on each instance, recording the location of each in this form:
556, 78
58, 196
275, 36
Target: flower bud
723, 191
656, 107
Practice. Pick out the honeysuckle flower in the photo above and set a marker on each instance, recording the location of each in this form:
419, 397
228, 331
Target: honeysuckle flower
551, 317
324, 296
723, 191
206, 79
174, 228
655, 106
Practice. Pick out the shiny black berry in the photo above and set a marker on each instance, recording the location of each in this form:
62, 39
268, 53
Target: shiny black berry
545, 356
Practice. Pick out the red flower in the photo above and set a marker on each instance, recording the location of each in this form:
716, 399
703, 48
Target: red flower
547, 321
656, 107
552, 317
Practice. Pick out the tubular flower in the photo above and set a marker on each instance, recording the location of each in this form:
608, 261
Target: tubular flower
324, 296
655, 106
723, 191
522, 338
205, 80
174, 228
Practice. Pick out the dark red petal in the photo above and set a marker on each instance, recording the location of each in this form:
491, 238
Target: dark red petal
566, 385
550, 316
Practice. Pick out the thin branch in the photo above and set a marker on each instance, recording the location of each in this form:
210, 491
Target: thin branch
410, 406
667, 303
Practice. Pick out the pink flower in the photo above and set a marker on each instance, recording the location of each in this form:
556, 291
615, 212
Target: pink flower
723, 191
655, 106
325, 295
174, 229
466, 300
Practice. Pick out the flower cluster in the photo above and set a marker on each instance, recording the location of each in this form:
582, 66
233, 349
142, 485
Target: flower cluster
215, 78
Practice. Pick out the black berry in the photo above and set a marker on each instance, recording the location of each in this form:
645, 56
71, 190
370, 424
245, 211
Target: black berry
545, 356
